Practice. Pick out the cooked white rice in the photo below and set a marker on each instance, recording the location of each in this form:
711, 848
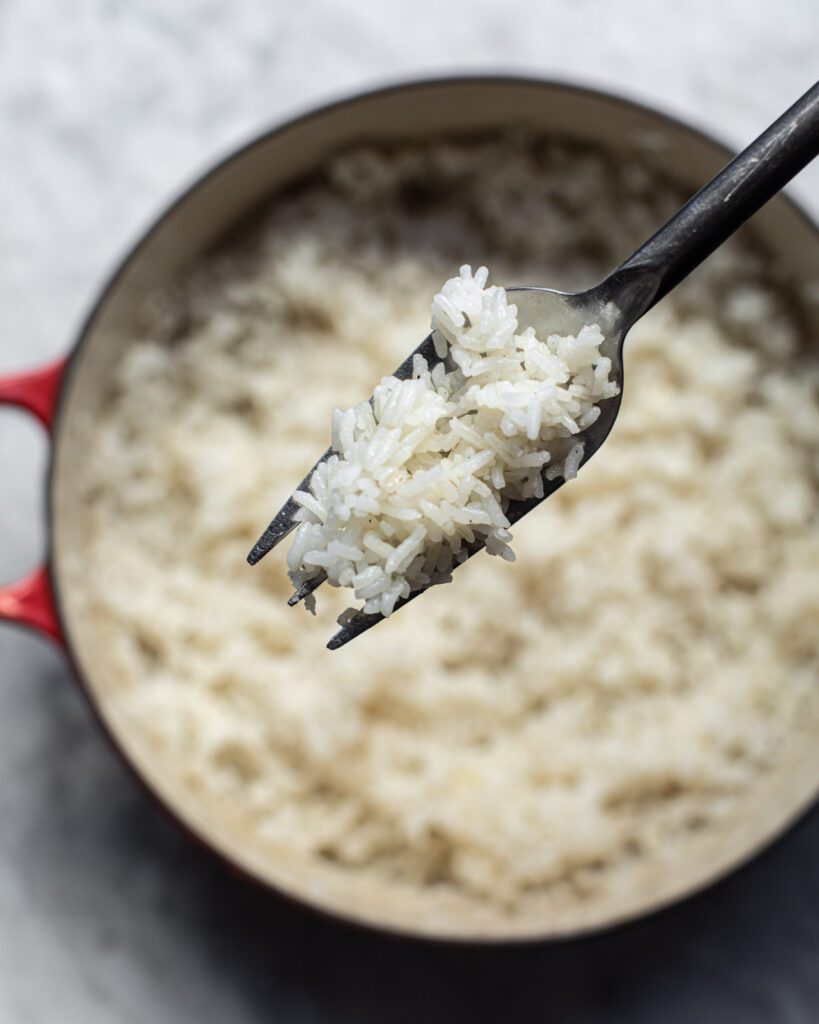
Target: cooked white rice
428, 468
623, 691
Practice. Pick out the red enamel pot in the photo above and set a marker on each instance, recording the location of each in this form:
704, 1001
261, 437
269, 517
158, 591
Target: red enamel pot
65, 394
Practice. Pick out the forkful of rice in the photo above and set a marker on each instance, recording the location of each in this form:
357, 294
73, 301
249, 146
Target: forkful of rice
509, 396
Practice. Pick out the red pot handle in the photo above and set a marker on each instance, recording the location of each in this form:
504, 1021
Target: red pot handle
30, 601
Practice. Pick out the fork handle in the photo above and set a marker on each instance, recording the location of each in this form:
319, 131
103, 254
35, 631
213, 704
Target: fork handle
717, 210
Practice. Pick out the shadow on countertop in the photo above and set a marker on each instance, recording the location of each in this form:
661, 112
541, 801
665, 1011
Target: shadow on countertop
145, 926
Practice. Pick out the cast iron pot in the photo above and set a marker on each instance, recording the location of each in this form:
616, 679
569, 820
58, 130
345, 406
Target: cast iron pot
66, 393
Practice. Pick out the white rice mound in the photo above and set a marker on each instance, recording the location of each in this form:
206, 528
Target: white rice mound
430, 465
545, 736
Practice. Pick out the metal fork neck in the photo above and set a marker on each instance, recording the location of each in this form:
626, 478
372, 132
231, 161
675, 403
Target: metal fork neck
716, 211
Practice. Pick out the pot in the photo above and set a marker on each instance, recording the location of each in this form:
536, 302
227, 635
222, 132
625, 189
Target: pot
64, 394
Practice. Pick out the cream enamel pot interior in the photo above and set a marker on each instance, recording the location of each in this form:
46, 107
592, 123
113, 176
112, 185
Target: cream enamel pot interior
64, 395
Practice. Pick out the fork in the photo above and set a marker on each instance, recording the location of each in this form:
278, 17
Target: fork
701, 225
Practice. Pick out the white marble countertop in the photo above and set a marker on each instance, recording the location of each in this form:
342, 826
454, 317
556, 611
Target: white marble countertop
107, 108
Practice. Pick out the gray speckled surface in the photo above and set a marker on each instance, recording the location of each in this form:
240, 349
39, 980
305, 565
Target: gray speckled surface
107, 914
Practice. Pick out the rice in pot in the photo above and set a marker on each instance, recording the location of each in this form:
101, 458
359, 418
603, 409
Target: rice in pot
534, 732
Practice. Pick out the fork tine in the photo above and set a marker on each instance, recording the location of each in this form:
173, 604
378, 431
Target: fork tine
280, 526
283, 522
355, 627
360, 623
305, 589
